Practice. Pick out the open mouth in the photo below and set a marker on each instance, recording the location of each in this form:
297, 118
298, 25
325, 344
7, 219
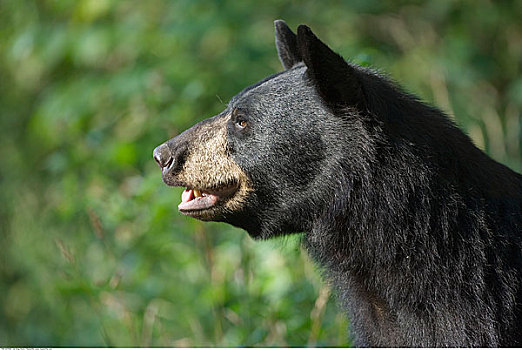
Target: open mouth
193, 200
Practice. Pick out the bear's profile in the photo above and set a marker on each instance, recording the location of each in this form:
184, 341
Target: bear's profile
419, 231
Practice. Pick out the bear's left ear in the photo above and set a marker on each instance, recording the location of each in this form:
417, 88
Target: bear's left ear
286, 44
337, 82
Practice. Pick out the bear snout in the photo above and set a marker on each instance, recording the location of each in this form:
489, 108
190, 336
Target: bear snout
171, 156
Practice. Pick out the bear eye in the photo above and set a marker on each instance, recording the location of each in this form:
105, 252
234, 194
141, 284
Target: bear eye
241, 124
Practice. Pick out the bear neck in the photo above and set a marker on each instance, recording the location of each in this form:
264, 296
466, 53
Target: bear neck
414, 234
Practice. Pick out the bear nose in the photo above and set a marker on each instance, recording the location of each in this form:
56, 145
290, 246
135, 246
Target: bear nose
163, 157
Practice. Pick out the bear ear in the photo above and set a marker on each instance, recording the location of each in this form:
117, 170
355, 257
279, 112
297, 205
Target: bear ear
286, 44
337, 82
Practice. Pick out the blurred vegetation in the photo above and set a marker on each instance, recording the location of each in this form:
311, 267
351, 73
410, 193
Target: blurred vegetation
93, 251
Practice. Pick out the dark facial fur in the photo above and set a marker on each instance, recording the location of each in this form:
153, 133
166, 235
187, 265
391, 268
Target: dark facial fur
420, 231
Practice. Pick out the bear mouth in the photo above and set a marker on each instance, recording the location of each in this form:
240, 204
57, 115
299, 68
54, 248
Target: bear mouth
195, 201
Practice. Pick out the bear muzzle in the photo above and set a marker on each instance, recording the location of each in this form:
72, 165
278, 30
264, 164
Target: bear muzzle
199, 160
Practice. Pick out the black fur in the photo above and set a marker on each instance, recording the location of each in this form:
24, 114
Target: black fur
419, 230
286, 44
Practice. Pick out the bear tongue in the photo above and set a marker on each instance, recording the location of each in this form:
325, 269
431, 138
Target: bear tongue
187, 195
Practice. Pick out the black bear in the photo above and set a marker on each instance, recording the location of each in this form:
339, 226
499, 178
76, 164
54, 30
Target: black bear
419, 231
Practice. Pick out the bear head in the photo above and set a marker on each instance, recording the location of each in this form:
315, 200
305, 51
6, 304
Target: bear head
276, 158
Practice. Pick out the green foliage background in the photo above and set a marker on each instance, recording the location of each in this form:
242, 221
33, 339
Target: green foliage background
92, 249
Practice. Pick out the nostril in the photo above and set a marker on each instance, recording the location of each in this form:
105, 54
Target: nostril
163, 157
157, 159
168, 163
164, 162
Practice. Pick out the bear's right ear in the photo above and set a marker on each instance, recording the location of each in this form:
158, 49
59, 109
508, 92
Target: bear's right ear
286, 44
